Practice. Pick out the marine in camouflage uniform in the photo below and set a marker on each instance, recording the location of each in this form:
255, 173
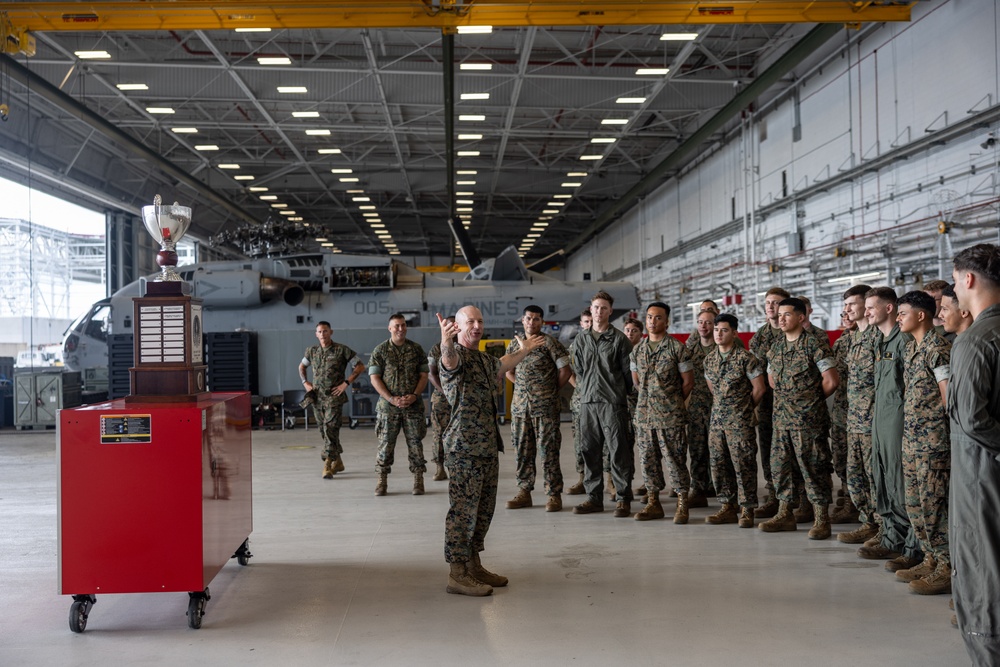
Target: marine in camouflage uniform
731, 430
838, 410
699, 411
440, 409
660, 415
860, 408
927, 444
800, 417
760, 345
534, 413
403, 372
329, 362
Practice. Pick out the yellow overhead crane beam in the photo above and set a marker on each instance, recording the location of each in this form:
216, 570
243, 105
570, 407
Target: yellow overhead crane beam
18, 19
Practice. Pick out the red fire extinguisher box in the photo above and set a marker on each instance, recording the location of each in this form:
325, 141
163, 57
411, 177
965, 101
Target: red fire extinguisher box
153, 497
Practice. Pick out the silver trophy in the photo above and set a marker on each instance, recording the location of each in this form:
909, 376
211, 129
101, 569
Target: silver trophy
166, 224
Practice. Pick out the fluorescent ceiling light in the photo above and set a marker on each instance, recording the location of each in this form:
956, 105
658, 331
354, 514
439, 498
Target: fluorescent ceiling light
329, 151
574, 174
292, 89
476, 67
562, 196
377, 225
678, 36
341, 171
475, 29
591, 157
468, 153
322, 239
296, 219
464, 210
603, 140
630, 100
475, 96
361, 198
257, 188
206, 147
184, 130
859, 276
551, 210
251, 30
556, 203
652, 71
229, 166
471, 117
614, 121
532, 236
367, 207
92, 55
349, 179
465, 182
370, 215
305, 114
465, 201
268, 197
469, 137
264, 60
287, 212
318, 133
243, 177
464, 194
327, 245
466, 172
571, 184
279, 205
132, 86
355, 192
159, 110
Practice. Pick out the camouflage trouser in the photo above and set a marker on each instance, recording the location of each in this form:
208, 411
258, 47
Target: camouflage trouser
859, 475
328, 417
472, 498
734, 465
387, 427
577, 452
606, 424
530, 434
838, 451
765, 433
440, 415
806, 452
697, 440
928, 474
656, 444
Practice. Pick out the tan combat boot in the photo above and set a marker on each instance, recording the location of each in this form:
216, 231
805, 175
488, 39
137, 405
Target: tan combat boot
726, 514
768, 509
697, 499
926, 567
576, 489
382, 486
653, 508
875, 539
846, 513
440, 475
554, 503
623, 509
783, 521
521, 499
746, 517
821, 525
610, 487
460, 582
935, 583
328, 469
681, 513
901, 563
418, 483
804, 512
480, 573
858, 535
338, 464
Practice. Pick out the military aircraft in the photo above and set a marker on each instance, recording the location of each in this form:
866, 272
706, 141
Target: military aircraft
282, 299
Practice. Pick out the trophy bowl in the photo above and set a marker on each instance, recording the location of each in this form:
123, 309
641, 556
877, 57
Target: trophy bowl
167, 225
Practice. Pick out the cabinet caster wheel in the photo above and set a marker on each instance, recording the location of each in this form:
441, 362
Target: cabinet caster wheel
196, 608
79, 611
243, 554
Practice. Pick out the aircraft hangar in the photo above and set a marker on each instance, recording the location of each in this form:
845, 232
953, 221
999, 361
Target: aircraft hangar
695, 150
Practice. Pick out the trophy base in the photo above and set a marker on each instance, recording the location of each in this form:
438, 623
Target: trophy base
167, 385
164, 288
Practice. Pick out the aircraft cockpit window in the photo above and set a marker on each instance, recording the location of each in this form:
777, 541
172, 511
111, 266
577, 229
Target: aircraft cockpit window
98, 324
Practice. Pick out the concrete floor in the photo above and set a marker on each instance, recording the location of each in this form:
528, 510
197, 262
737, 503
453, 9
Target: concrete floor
342, 577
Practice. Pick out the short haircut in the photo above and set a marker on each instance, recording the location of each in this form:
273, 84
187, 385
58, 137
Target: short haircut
886, 294
537, 310
935, 285
632, 320
857, 290
950, 292
796, 304
919, 299
728, 318
714, 304
983, 260
777, 290
323, 323
586, 313
603, 295
659, 304
805, 300
397, 316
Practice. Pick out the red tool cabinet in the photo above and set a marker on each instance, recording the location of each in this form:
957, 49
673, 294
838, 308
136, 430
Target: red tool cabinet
153, 497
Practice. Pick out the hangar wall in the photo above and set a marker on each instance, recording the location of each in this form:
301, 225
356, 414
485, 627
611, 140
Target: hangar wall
851, 173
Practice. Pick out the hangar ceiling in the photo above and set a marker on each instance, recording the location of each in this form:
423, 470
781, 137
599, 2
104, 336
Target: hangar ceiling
344, 129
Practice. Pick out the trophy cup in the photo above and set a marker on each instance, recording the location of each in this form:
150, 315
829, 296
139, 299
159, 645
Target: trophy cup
167, 225
168, 339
